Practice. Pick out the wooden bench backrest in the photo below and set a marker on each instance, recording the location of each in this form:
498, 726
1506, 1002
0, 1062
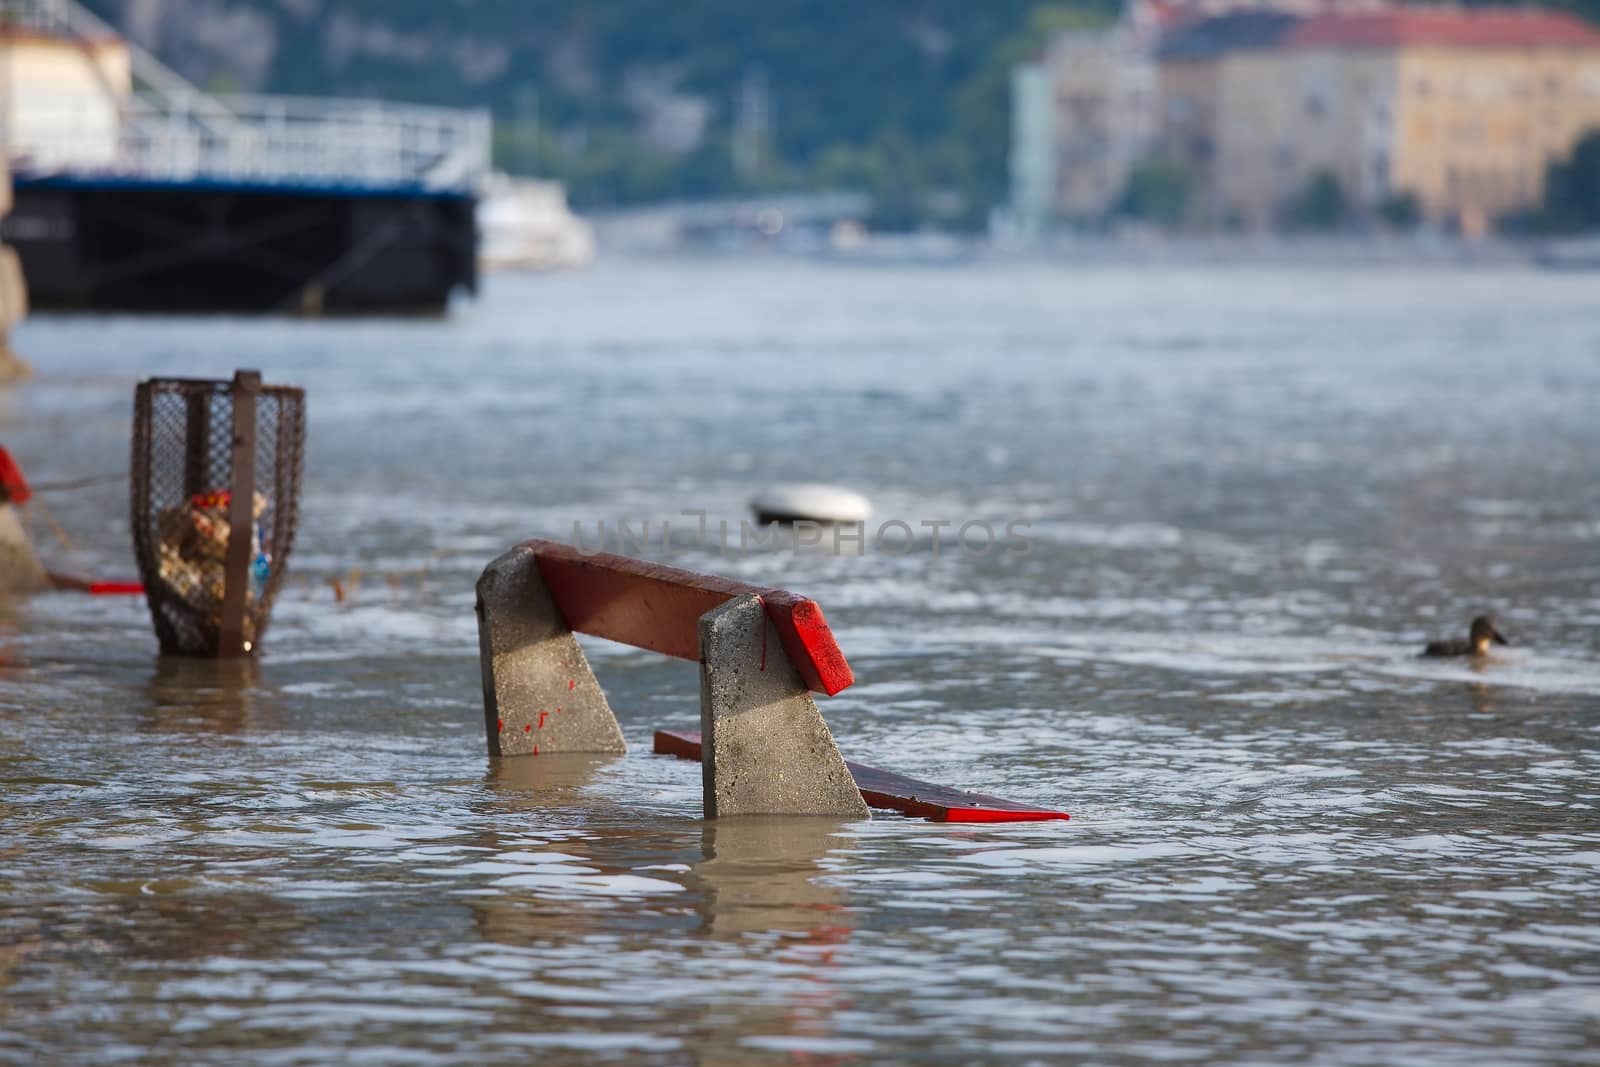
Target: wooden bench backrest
652, 606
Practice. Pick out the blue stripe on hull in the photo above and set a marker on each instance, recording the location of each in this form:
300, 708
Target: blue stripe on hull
23, 180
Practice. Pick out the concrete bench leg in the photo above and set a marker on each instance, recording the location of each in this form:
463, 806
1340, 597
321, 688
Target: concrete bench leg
766, 749
539, 694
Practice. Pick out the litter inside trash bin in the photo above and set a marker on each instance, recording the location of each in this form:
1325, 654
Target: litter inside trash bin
193, 552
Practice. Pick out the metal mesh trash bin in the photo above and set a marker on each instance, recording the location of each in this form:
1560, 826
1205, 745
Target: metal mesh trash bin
216, 497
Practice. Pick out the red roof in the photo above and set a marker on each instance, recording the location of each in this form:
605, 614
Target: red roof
1484, 27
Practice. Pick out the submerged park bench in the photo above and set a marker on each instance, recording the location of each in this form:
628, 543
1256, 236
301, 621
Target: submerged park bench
763, 744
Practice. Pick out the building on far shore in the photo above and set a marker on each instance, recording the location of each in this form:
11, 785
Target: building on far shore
1090, 107
1105, 112
1462, 110
1032, 206
1195, 84
1084, 113
1451, 113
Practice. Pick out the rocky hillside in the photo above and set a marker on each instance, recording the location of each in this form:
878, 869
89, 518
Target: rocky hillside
633, 99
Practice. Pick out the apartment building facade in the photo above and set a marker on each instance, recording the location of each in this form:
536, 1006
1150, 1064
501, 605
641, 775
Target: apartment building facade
1460, 110
1457, 111
1083, 114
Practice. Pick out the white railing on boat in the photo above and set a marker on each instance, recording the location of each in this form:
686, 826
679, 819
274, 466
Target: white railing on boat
170, 131
257, 139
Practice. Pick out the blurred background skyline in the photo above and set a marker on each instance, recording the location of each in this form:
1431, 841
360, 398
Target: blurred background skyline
962, 117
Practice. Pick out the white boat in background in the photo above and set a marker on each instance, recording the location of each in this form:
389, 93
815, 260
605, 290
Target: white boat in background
525, 224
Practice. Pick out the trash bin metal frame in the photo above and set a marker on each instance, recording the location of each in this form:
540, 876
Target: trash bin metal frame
207, 453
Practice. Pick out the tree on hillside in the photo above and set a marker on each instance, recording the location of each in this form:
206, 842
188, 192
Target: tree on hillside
1320, 204
1156, 192
1401, 210
889, 169
1589, 9
1572, 190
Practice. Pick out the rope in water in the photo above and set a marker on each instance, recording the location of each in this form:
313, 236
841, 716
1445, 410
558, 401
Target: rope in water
50, 520
65, 486
78, 483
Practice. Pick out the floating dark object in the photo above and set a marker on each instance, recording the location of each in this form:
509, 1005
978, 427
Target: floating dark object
810, 502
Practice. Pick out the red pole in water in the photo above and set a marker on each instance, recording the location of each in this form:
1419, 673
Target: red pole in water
13, 486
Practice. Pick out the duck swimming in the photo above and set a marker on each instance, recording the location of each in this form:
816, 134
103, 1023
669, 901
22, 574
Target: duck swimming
1476, 644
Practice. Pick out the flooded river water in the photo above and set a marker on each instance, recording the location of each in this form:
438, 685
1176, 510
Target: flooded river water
1249, 495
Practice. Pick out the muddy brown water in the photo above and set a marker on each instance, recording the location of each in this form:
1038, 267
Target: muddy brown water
1247, 496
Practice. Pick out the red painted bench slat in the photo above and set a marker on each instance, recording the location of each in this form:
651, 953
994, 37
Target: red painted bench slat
896, 792
652, 606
